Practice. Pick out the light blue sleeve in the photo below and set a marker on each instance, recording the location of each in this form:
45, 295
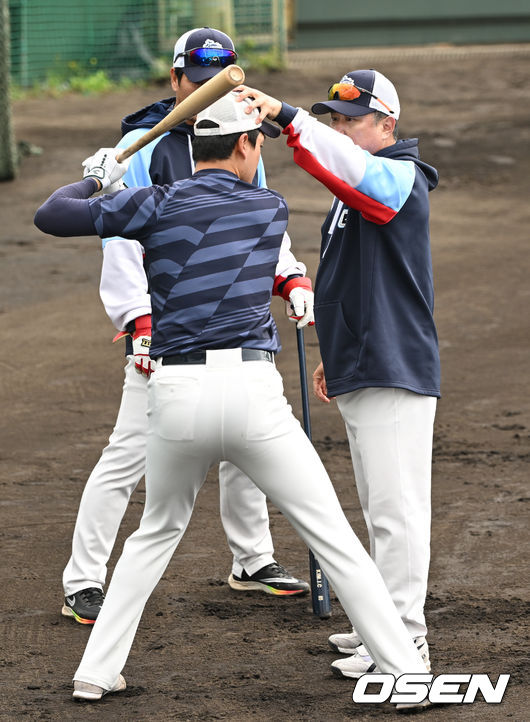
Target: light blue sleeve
262, 180
387, 181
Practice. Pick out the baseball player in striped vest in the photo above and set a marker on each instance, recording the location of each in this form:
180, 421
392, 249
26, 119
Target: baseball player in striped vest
212, 243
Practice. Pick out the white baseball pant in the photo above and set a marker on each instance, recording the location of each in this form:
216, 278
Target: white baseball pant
109, 487
390, 431
235, 410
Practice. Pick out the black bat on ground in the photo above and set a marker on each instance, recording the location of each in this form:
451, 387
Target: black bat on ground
319, 584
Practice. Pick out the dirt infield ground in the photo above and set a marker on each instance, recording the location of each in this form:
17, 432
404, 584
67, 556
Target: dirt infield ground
204, 652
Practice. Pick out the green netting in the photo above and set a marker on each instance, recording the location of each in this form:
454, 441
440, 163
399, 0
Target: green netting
60, 38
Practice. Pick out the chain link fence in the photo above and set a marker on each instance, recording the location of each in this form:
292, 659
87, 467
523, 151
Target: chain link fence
82, 45
58, 39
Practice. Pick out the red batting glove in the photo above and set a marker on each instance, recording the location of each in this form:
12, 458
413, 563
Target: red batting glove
141, 340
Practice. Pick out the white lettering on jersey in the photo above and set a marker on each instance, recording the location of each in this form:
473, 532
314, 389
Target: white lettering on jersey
343, 218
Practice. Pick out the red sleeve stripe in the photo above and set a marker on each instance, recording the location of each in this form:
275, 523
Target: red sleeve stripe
369, 208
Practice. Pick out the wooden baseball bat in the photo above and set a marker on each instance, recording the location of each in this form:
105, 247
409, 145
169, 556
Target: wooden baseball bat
221, 84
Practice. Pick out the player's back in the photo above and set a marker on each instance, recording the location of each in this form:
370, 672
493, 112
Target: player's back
211, 264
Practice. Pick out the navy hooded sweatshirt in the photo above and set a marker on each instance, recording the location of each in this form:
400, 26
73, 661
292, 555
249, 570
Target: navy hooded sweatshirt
374, 297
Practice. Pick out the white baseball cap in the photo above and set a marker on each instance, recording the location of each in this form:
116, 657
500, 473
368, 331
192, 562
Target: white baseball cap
229, 117
376, 92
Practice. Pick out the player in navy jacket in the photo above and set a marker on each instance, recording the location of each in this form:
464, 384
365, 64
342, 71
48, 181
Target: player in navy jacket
374, 306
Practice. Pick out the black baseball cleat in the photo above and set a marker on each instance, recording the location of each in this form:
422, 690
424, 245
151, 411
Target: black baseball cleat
84, 605
272, 579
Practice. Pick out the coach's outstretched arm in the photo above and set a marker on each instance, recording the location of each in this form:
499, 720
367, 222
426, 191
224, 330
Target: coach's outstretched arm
376, 188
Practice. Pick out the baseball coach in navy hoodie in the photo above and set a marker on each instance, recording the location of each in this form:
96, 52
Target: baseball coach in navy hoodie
374, 319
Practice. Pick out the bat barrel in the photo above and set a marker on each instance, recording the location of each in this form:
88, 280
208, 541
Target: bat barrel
236, 74
214, 88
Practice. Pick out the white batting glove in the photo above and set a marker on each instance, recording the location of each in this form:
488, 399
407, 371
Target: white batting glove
104, 167
119, 185
299, 307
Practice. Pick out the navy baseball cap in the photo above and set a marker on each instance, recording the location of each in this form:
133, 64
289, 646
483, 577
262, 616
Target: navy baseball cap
376, 92
202, 52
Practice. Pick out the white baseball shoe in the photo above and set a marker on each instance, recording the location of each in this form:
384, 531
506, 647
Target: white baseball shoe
361, 663
345, 643
413, 706
355, 666
92, 693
